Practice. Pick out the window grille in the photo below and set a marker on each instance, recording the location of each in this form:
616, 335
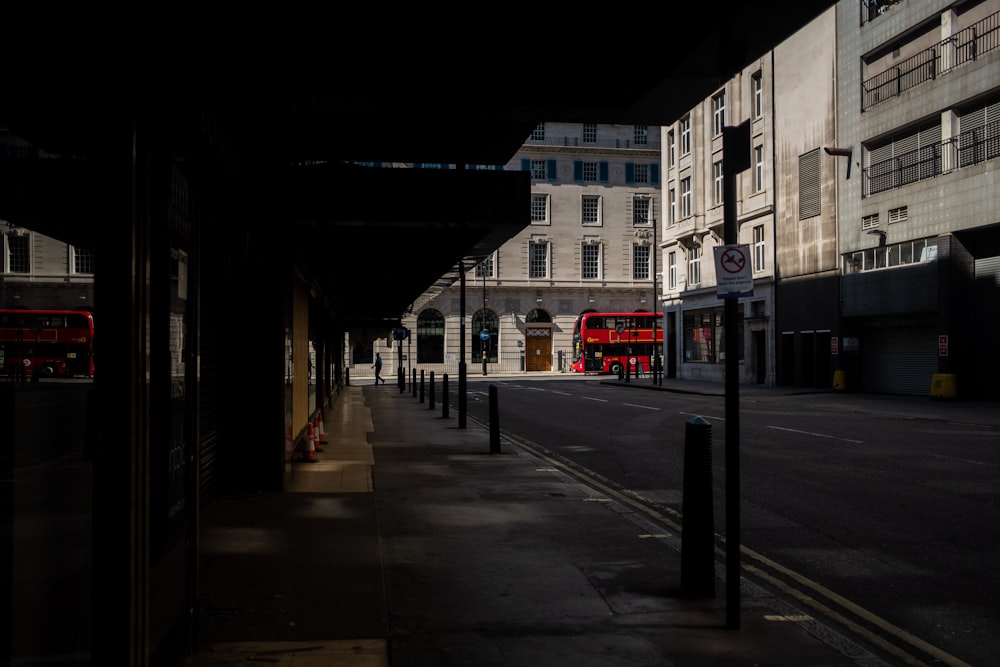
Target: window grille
83, 261
869, 221
640, 261
640, 211
591, 260
810, 204
18, 253
591, 210
897, 215
538, 259
539, 208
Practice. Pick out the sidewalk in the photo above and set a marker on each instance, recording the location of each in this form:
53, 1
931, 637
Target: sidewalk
409, 544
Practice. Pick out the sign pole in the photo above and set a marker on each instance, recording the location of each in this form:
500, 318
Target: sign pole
736, 158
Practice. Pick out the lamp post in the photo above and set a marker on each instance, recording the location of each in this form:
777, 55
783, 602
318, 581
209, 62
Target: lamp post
656, 306
484, 340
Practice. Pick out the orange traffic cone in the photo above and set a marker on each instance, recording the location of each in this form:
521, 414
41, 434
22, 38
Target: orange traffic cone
322, 431
310, 446
317, 443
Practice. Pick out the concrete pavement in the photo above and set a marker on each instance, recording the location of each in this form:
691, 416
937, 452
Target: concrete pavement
408, 543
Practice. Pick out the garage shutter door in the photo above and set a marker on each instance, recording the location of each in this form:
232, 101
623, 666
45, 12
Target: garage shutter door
899, 360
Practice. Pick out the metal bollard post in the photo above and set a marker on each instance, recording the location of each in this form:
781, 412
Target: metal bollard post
444, 396
430, 397
697, 526
421, 385
494, 421
413, 383
347, 377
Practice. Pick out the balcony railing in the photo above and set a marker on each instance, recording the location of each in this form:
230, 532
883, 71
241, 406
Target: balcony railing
650, 144
965, 46
963, 150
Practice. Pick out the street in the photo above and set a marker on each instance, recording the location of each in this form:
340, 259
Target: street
884, 523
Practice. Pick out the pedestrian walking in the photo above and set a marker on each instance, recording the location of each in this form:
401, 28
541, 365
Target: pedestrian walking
378, 368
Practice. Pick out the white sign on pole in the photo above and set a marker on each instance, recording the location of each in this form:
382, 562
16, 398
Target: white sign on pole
733, 271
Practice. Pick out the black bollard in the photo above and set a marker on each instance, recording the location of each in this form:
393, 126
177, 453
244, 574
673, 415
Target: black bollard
401, 379
444, 396
347, 377
413, 383
697, 524
494, 421
430, 396
421, 385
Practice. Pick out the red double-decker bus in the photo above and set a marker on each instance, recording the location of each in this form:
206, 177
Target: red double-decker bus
606, 342
46, 343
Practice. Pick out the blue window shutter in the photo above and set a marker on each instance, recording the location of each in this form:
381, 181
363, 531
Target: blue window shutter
654, 174
525, 164
602, 172
630, 172
578, 171
551, 170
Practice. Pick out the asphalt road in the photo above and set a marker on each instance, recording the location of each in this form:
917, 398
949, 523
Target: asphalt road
885, 524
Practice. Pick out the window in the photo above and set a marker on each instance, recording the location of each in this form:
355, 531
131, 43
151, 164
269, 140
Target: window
758, 168
485, 268
640, 173
718, 113
757, 91
671, 147
672, 269
686, 197
83, 261
869, 221
758, 248
539, 208
704, 336
538, 134
672, 199
640, 134
640, 210
694, 266
591, 259
18, 253
590, 133
898, 215
538, 258
430, 337
717, 193
685, 135
591, 210
538, 170
809, 185
590, 171
640, 261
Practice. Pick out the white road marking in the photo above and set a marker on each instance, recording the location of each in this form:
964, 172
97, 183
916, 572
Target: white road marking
644, 407
818, 435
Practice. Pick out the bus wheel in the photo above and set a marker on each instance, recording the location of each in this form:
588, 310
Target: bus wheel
616, 368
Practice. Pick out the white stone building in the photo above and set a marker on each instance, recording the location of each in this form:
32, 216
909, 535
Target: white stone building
594, 201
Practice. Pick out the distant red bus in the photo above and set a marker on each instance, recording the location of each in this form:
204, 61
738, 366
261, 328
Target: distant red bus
606, 342
49, 343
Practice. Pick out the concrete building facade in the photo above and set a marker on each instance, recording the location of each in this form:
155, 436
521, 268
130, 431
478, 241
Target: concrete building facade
590, 246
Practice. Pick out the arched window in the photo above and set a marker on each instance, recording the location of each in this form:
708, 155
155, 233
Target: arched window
430, 337
538, 315
485, 320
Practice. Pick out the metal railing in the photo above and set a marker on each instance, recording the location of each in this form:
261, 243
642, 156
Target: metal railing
507, 363
964, 46
651, 144
963, 150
